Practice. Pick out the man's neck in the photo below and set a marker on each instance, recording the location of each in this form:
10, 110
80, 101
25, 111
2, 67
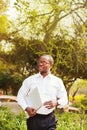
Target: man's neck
44, 74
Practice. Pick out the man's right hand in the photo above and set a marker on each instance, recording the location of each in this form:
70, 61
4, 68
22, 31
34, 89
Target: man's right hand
31, 111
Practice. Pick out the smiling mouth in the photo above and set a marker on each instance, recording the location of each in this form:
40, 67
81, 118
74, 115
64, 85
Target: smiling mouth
40, 68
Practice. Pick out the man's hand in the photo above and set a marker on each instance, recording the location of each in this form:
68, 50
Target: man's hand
50, 104
31, 111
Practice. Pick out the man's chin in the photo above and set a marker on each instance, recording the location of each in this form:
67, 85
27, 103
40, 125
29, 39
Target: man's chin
43, 72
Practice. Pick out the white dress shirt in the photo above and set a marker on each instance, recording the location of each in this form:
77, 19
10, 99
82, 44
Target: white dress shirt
50, 88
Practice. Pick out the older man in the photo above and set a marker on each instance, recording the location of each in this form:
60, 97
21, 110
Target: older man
52, 92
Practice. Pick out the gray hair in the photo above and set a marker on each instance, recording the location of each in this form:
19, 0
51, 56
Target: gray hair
48, 57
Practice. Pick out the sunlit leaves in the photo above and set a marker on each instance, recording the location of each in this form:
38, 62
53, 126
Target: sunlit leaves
3, 6
41, 19
4, 24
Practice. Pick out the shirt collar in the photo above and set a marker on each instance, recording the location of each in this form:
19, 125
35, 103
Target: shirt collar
49, 75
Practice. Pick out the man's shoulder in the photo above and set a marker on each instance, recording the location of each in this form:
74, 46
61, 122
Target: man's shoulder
32, 76
56, 77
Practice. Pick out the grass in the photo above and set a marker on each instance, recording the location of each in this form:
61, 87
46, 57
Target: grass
66, 121
71, 121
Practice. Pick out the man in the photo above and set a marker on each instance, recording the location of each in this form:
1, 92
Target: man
52, 92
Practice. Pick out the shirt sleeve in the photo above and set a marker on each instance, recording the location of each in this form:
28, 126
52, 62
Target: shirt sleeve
22, 93
62, 95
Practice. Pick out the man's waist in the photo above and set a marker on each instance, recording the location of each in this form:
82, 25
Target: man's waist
44, 111
44, 116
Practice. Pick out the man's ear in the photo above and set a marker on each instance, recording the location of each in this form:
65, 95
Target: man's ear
51, 65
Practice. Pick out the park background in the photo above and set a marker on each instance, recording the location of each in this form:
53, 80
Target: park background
30, 28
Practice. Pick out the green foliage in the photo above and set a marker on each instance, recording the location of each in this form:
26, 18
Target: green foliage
81, 84
12, 80
77, 98
43, 27
5, 78
3, 5
8, 121
16, 82
66, 121
46, 19
80, 101
4, 24
84, 104
71, 121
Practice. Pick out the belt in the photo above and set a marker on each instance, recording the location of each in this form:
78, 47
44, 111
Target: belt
43, 116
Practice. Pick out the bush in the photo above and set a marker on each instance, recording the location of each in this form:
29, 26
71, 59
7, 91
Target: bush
66, 121
9, 121
84, 104
80, 102
77, 98
71, 121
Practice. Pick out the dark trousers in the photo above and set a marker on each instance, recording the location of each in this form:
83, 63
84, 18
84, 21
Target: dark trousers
42, 122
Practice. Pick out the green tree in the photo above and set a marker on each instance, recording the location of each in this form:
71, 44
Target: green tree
40, 28
3, 6
4, 27
43, 19
4, 22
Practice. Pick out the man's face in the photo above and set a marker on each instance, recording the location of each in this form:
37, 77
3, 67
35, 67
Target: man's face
44, 65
